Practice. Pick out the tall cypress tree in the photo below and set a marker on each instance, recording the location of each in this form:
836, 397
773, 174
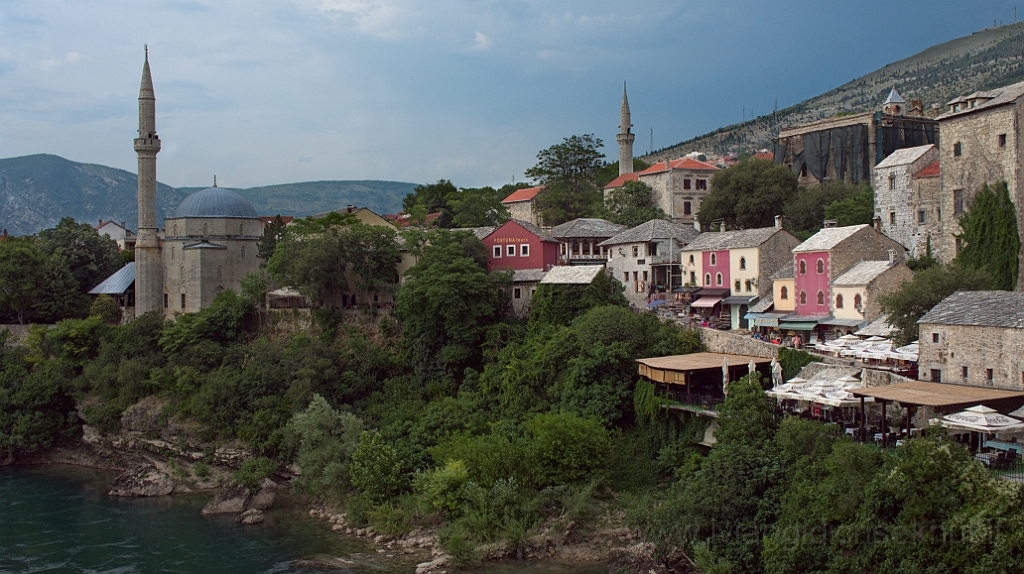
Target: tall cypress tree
990, 239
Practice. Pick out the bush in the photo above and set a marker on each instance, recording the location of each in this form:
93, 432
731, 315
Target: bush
455, 540
252, 472
376, 468
487, 458
566, 448
442, 486
324, 441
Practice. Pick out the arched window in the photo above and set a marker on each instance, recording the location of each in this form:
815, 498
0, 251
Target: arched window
242, 252
784, 293
821, 297
691, 259
707, 279
803, 267
737, 289
206, 228
803, 297
839, 301
821, 266
241, 229
743, 262
181, 273
856, 301
220, 272
718, 279
714, 259
175, 229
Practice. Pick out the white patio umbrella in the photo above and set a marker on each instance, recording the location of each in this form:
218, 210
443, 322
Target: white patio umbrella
982, 419
751, 367
725, 375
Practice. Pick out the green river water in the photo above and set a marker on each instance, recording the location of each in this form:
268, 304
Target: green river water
60, 519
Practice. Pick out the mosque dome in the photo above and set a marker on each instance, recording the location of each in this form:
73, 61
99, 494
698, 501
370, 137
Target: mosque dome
215, 202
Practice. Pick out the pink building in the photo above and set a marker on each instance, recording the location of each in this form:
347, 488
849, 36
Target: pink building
519, 245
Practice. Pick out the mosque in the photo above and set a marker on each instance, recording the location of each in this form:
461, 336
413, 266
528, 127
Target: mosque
209, 244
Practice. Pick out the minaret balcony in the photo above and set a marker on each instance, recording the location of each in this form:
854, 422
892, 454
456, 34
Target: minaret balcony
147, 144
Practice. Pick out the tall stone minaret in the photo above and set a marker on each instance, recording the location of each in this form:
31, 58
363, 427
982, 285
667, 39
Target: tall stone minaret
149, 282
625, 137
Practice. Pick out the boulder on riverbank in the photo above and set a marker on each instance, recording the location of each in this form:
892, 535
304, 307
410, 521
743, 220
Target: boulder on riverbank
142, 480
230, 500
265, 497
251, 516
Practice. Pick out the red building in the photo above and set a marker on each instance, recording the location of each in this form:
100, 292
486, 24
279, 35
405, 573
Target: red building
520, 245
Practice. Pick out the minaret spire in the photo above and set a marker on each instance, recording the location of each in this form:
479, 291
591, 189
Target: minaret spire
625, 136
149, 282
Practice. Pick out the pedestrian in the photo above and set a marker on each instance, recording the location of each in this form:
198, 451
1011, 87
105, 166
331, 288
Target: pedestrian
797, 342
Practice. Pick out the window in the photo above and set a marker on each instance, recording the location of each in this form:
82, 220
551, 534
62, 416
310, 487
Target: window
856, 301
743, 262
206, 228
988, 375
517, 293
839, 301
686, 184
892, 181
935, 337
172, 254
958, 149
963, 372
702, 184
510, 250
803, 267
803, 297
821, 266
691, 259
652, 249
1002, 143
922, 216
821, 297
524, 250
181, 274
958, 201
242, 252
175, 229
938, 213
687, 209
636, 276
892, 218
707, 279
645, 276
636, 251
718, 279
784, 293
693, 277
936, 375
182, 300
562, 246
497, 251
625, 276
241, 229
737, 289
748, 286
165, 300
957, 244
714, 259
220, 272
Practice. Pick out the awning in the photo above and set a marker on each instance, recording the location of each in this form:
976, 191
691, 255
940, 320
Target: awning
706, 301
837, 322
735, 300
750, 316
943, 396
657, 302
768, 319
714, 292
798, 325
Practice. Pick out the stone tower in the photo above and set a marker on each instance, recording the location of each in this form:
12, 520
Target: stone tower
149, 284
625, 137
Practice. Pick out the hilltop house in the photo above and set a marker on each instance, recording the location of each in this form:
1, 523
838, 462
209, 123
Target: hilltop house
678, 186
741, 262
581, 239
646, 258
907, 202
522, 205
120, 233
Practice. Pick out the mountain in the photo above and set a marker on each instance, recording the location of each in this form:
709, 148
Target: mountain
37, 190
984, 60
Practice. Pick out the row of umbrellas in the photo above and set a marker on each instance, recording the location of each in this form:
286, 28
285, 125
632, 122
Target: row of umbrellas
833, 393
875, 348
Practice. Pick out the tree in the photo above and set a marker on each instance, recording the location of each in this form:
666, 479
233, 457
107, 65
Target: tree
916, 297
57, 296
479, 207
91, 257
106, 309
372, 256
856, 210
632, 204
610, 171
805, 211
21, 265
555, 304
569, 173
990, 238
268, 241
748, 195
432, 198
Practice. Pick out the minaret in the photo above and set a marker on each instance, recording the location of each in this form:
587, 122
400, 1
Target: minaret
625, 137
149, 282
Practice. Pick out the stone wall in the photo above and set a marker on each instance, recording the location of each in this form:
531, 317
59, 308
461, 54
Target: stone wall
864, 245
716, 341
899, 198
874, 378
975, 348
18, 332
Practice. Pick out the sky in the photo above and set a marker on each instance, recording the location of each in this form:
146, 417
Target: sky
259, 93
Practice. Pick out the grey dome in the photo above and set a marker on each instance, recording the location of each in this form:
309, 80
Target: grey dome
216, 202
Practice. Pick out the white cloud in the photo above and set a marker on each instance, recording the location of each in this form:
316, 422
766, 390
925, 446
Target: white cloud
388, 19
481, 42
74, 57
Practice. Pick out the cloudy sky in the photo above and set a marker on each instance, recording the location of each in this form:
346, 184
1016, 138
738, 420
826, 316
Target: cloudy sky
264, 92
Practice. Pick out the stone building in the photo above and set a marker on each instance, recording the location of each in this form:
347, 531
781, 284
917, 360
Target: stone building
678, 186
646, 258
846, 148
522, 205
907, 202
974, 338
982, 144
742, 262
119, 233
855, 293
581, 240
519, 245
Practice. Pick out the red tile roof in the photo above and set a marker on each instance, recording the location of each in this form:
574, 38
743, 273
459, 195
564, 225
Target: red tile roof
621, 180
682, 163
768, 155
523, 194
930, 170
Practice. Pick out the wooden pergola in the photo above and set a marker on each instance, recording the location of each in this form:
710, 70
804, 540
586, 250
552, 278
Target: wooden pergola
699, 372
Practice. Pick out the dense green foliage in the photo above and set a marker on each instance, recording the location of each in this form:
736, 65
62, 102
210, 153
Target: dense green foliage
569, 173
807, 211
990, 238
748, 195
856, 210
930, 286
632, 204
458, 207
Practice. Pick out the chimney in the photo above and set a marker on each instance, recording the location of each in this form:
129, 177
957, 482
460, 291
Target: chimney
892, 256
876, 222
778, 222
124, 224
830, 224
722, 228
100, 222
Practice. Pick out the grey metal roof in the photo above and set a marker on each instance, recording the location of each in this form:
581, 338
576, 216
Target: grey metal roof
527, 275
587, 227
572, 274
216, 202
652, 230
894, 97
117, 283
862, 273
787, 271
739, 239
828, 238
1001, 96
979, 308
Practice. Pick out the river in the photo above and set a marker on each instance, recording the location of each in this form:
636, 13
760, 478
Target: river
60, 519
